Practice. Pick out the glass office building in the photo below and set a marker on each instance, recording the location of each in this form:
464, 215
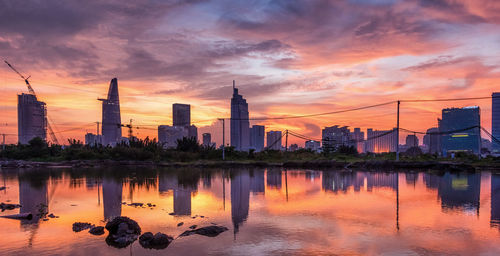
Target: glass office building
460, 128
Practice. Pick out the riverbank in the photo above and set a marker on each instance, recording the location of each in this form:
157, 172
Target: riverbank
313, 164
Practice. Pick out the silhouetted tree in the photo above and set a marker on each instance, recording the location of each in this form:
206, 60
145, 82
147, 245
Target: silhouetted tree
188, 144
347, 150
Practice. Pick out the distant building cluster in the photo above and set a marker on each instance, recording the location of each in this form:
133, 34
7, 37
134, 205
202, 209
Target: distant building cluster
458, 130
181, 127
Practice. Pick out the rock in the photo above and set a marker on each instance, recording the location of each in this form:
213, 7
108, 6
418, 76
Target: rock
2, 188
99, 230
180, 224
4, 206
80, 226
136, 204
45, 219
146, 237
202, 216
193, 227
122, 232
171, 213
211, 231
20, 216
52, 216
157, 241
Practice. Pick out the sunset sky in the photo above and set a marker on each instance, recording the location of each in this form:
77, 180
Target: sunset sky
287, 57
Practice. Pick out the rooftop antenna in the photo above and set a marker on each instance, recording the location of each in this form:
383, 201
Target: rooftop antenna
233, 84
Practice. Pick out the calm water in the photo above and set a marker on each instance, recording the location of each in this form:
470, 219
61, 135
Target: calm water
267, 211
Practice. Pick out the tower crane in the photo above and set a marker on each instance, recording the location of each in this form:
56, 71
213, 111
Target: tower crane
31, 91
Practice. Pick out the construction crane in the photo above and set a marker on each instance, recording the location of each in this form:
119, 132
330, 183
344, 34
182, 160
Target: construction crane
31, 91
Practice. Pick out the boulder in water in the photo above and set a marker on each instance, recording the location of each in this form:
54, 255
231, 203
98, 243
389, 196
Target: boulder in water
157, 241
211, 231
122, 232
80, 226
4, 206
97, 231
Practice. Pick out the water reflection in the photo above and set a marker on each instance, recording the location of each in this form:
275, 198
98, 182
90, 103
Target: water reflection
460, 191
265, 205
495, 200
257, 183
457, 191
344, 181
33, 198
182, 185
240, 198
274, 179
112, 197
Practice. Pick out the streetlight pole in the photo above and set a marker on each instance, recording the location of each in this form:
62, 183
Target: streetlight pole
286, 141
397, 134
223, 139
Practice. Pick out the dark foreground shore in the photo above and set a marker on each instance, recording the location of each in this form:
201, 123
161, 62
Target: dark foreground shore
317, 164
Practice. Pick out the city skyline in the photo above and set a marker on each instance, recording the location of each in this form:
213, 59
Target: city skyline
284, 60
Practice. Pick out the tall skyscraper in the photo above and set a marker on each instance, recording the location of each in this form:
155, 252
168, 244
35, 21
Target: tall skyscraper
381, 141
358, 140
335, 136
181, 117
257, 134
207, 139
411, 141
111, 119
274, 140
192, 132
495, 121
456, 119
168, 135
433, 140
312, 145
31, 118
93, 140
240, 125
181, 114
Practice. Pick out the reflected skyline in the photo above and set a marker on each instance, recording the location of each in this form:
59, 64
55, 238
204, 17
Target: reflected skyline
460, 191
262, 204
495, 200
240, 198
112, 191
33, 198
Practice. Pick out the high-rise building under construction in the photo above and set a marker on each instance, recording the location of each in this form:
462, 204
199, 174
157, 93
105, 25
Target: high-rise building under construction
111, 120
31, 118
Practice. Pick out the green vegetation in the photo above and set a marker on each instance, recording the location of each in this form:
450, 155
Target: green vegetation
188, 150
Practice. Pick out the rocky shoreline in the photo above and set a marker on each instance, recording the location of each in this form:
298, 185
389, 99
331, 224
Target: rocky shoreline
315, 164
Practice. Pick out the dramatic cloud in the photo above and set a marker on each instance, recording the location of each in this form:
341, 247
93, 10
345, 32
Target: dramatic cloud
287, 57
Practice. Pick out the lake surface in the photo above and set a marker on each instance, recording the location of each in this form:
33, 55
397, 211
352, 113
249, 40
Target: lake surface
267, 211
